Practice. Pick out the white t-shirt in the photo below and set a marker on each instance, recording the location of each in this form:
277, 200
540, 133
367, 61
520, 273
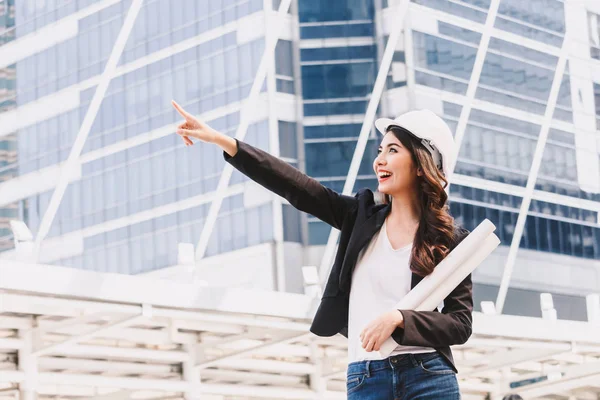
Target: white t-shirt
381, 278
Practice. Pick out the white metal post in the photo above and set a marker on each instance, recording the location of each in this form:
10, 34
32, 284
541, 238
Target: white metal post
69, 165
272, 36
533, 173
409, 59
190, 374
365, 130
474, 82
317, 382
28, 365
274, 149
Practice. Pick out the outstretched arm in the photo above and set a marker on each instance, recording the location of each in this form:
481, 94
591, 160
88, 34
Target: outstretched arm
302, 191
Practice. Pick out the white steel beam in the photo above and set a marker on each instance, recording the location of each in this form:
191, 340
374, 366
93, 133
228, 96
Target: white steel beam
495, 343
272, 36
282, 339
12, 377
365, 129
585, 376
118, 395
474, 81
256, 378
536, 329
182, 386
533, 173
274, 147
11, 343
120, 353
504, 358
95, 366
69, 165
28, 365
480, 387
46, 327
219, 319
114, 382
9, 389
554, 369
248, 334
190, 374
119, 292
7, 322
317, 382
88, 335
268, 366
151, 336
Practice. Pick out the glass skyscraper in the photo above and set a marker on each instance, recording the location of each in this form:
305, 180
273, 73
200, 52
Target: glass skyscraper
137, 191
8, 155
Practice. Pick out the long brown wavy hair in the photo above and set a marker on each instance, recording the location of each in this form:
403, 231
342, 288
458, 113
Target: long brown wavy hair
435, 235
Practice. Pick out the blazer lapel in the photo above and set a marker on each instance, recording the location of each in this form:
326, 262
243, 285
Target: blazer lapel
365, 233
415, 279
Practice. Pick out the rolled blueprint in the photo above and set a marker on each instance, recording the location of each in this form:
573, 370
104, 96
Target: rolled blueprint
447, 266
448, 274
443, 290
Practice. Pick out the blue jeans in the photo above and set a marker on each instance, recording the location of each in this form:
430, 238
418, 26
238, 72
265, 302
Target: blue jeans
402, 377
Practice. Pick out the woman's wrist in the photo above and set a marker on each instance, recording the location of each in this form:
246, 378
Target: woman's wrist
227, 143
400, 320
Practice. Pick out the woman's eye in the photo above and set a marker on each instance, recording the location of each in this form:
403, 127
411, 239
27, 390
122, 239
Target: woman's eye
392, 149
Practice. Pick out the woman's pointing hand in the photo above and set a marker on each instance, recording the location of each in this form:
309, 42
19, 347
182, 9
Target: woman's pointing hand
193, 128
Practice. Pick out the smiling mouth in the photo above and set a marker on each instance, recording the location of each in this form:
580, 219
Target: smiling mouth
384, 177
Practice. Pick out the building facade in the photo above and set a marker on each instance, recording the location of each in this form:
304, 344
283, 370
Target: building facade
137, 191
7, 102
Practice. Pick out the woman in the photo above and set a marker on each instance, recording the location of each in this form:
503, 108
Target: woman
384, 251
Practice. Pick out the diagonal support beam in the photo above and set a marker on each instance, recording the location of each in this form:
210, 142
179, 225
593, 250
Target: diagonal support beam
573, 378
250, 334
69, 165
118, 395
146, 311
503, 358
11, 388
283, 339
271, 41
533, 173
365, 130
68, 322
474, 81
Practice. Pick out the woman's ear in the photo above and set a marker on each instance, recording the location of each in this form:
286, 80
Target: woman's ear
419, 172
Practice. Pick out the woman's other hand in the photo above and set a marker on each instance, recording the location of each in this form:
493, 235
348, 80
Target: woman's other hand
379, 330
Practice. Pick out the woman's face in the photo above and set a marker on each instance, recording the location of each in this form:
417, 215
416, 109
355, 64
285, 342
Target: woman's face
394, 166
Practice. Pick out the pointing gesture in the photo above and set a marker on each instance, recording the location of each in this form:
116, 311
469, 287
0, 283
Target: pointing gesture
193, 128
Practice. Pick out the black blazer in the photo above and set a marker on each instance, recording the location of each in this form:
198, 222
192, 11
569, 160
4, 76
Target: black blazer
358, 218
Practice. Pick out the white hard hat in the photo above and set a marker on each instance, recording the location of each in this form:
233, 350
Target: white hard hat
433, 131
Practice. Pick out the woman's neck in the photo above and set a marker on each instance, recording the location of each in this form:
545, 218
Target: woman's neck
405, 211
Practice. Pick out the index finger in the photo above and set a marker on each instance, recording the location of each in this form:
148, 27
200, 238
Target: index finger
180, 110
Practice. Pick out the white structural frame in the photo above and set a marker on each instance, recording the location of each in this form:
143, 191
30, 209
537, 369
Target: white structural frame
126, 337
376, 98
473, 83
272, 37
533, 173
68, 167
366, 129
